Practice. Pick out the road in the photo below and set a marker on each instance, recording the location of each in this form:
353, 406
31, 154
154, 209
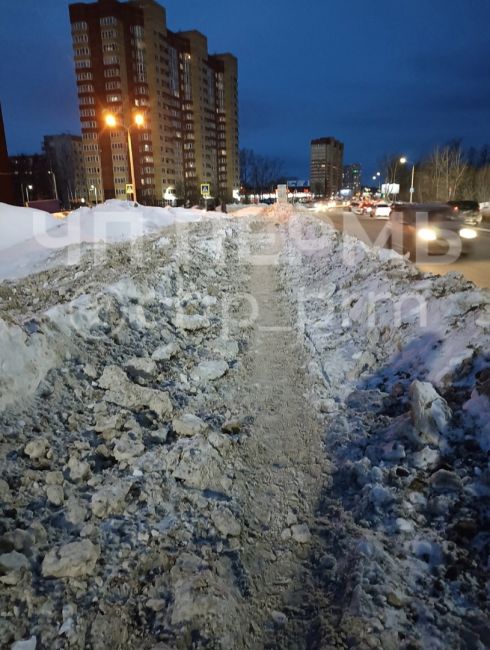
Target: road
475, 266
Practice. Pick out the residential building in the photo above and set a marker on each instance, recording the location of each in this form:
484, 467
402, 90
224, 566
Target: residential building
64, 153
352, 178
31, 178
129, 63
326, 166
6, 184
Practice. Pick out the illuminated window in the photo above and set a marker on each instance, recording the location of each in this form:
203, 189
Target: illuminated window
108, 20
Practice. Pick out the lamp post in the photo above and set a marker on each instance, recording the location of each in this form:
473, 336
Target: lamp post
403, 160
51, 173
28, 187
139, 121
94, 189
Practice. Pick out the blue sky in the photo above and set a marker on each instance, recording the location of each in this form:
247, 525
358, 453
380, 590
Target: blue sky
383, 77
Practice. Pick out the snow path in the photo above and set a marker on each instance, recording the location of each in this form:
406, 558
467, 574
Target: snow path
215, 424
281, 465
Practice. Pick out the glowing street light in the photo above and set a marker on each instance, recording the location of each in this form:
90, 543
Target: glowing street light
110, 120
139, 121
28, 187
94, 189
403, 160
51, 173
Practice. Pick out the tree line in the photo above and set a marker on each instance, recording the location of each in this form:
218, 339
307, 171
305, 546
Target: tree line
260, 174
449, 172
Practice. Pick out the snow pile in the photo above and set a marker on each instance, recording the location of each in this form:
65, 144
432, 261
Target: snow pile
402, 368
116, 480
31, 240
26, 357
20, 224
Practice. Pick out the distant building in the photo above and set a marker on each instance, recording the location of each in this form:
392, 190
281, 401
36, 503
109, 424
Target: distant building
127, 62
31, 178
352, 178
326, 166
64, 154
6, 184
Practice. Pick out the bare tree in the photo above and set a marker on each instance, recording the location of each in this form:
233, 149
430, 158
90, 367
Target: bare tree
447, 167
482, 184
259, 173
247, 157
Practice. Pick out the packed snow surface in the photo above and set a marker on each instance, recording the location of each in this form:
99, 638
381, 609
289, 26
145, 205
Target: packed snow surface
241, 433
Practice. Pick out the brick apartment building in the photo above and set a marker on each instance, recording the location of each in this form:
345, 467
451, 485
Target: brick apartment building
326, 166
127, 61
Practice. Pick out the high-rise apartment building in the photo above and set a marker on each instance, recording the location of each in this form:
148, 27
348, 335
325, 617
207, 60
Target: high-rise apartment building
326, 166
128, 62
65, 159
6, 183
352, 177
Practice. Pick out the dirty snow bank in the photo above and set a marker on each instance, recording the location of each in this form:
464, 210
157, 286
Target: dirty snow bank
118, 524
31, 240
402, 368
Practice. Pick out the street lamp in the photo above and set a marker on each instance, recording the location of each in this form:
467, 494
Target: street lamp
51, 173
403, 160
28, 187
94, 189
412, 186
139, 121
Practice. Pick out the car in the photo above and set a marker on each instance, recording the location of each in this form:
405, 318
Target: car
356, 207
425, 230
469, 210
364, 206
367, 206
381, 211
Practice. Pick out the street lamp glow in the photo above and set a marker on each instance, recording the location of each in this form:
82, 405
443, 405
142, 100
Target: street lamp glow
110, 120
403, 160
139, 119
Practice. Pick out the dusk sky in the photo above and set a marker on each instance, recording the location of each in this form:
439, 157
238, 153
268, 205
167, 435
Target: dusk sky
383, 77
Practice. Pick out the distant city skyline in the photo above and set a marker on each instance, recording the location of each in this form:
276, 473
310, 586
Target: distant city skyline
381, 78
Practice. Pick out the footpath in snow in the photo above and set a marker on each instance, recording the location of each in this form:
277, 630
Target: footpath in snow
239, 432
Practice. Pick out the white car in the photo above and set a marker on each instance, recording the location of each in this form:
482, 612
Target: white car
381, 211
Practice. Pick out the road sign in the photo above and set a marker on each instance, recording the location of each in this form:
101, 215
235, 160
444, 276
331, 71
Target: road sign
129, 188
205, 189
282, 193
390, 188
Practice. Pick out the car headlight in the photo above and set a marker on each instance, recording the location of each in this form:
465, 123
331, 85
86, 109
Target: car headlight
427, 234
467, 233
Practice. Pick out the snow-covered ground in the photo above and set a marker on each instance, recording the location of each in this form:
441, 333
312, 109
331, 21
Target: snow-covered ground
249, 431
32, 240
401, 362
